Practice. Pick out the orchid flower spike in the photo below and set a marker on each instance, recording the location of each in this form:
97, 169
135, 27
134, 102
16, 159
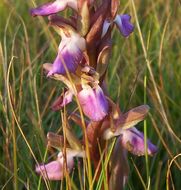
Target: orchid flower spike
54, 7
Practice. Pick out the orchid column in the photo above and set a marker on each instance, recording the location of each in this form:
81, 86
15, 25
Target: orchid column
81, 64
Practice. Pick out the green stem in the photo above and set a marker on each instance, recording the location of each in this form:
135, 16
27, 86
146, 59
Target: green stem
145, 135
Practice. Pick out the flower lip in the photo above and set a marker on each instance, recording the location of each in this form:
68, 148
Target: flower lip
51, 171
65, 60
93, 103
54, 170
70, 54
124, 25
53, 7
133, 141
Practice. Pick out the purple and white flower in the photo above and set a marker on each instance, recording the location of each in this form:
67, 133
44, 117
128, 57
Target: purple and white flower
55, 170
93, 102
124, 25
70, 53
133, 141
54, 7
131, 138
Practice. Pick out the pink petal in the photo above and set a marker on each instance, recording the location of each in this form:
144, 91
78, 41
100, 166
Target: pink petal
93, 103
53, 7
133, 141
51, 171
54, 169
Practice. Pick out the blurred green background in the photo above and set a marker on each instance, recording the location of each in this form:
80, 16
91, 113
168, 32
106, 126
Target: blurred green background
26, 43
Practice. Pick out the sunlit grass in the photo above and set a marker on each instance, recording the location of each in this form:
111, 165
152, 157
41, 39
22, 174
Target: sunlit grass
152, 51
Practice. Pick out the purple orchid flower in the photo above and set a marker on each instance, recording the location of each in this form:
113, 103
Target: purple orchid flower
122, 22
130, 138
54, 169
53, 7
70, 53
133, 141
93, 103
124, 25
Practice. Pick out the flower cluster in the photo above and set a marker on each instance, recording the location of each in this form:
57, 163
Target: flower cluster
81, 64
